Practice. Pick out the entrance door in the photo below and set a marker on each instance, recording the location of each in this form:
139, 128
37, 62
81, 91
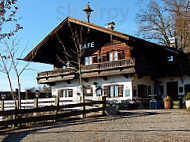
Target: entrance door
172, 90
187, 88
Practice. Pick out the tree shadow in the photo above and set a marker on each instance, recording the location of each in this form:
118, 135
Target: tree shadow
130, 114
18, 136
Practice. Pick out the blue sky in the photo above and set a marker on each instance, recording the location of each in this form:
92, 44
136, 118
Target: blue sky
40, 17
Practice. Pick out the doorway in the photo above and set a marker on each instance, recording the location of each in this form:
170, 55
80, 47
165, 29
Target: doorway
187, 88
172, 90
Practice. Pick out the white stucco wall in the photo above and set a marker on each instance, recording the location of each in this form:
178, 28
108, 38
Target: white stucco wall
113, 80
184, 80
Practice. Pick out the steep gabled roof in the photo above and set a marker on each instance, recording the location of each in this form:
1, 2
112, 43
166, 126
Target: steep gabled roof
79, 22
123, 36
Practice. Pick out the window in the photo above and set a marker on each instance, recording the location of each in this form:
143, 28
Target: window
88, 90
110, 56
88, 60
171, 58
113, 91
65, 93
113, 56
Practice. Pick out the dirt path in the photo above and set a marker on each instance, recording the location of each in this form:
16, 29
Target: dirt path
133, 126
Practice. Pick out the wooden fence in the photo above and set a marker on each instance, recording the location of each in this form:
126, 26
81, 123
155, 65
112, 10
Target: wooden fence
58, 111
32, 103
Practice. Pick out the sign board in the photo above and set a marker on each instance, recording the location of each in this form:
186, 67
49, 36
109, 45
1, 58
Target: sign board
127, 92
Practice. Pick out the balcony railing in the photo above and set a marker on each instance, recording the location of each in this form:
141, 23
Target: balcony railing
109, 65
88, 68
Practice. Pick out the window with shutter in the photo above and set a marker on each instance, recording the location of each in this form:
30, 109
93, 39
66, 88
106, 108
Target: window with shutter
66, 93
113, 91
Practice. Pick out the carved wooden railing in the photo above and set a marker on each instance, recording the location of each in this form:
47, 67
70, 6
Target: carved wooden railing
56, 72
109, 65
85, 68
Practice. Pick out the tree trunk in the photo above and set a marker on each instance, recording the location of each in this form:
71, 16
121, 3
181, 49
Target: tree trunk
19, 90
82, 86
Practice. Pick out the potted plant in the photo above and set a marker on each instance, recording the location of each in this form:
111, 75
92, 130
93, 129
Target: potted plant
187, 100
167, 102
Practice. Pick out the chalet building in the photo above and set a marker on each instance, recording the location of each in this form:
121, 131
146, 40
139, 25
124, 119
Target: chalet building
113, 64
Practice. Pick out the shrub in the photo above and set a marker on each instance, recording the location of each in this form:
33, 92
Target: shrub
187, 97
167, 98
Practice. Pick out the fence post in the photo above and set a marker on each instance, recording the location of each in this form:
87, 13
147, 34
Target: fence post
57, 105
15, 116
104, 105
2, 105
35, 102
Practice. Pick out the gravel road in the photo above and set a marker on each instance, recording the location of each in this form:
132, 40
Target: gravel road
132, 126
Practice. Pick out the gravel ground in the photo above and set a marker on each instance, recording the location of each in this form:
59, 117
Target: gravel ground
132, 126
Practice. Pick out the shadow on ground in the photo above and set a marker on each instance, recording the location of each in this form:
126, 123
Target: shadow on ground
21, 133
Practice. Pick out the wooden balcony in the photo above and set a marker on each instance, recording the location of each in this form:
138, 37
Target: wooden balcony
109, 65
69, 73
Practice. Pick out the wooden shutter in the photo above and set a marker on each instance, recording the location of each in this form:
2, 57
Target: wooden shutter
70, 93
60, 93
104, 57
121, 55
120, 91
95, 59
107, 54
106, 91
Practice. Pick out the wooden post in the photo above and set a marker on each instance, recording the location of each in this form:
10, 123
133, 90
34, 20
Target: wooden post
57, 105
36, 103
104, 105
83, 107
15, 116
2, 105
17, 104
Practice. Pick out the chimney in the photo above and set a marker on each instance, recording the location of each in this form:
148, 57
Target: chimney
111, 25
173, 42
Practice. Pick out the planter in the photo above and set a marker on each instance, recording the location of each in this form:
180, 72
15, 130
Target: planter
187, 104
167, 104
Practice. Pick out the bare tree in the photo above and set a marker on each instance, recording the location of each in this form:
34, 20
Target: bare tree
10, 61
74, 55
8, 9
5, 67
164, 19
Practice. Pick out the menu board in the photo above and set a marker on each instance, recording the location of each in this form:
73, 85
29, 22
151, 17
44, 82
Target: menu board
127, 92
